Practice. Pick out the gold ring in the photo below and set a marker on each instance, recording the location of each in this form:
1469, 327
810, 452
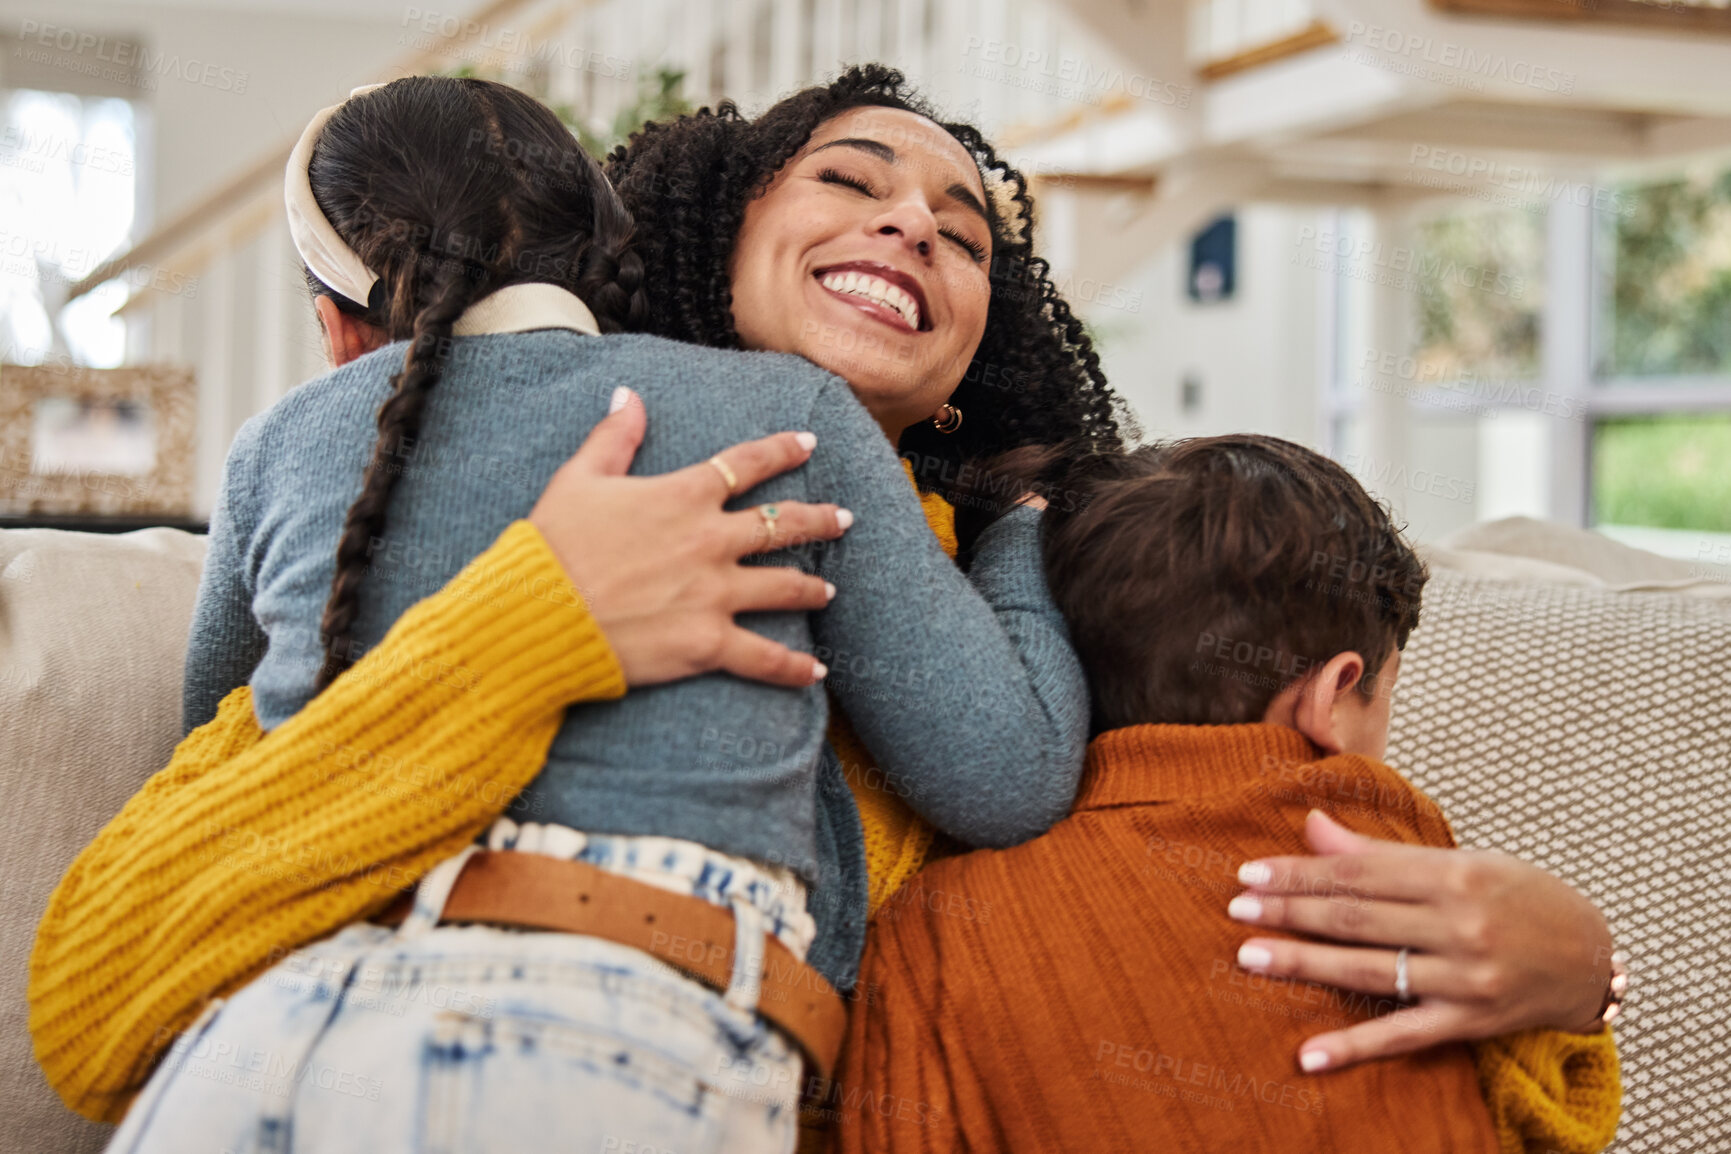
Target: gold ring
726, 474
770, 514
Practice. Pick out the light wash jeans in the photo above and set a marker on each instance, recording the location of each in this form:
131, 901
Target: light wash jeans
474, 1040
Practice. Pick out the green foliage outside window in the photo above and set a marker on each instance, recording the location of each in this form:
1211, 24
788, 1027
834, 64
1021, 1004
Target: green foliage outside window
1669, 282
1481, 290
659, 97
1665, 267
1664, 263
1668, 472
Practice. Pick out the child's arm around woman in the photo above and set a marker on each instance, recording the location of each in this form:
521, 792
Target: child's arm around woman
967, 693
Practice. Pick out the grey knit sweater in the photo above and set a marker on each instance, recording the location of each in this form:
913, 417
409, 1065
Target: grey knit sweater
967, 694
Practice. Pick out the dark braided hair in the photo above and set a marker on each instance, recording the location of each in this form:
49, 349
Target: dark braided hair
1035, 378
449, 189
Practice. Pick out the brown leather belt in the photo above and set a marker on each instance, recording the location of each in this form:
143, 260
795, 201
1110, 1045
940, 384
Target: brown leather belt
534, 891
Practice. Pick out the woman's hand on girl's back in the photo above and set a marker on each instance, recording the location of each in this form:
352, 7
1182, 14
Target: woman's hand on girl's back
1496, 945
657, 558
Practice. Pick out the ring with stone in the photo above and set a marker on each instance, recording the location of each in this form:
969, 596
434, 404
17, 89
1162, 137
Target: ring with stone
770, 514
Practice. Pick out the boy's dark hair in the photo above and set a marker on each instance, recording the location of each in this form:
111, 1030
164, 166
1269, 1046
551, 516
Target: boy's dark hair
1202, 577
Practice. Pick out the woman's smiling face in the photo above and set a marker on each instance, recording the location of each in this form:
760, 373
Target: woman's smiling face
869, 255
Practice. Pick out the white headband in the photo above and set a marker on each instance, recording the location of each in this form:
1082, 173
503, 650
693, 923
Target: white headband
326, 254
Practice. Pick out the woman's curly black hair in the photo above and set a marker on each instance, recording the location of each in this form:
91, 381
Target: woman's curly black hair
1035, 378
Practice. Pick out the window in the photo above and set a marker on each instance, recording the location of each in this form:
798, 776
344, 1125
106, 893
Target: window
1660, 443
1629, 288
1480, 274
1664, 472
1666, 292
67, 202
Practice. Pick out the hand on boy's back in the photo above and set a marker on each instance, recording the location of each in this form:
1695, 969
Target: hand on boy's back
657, 558
1498, 945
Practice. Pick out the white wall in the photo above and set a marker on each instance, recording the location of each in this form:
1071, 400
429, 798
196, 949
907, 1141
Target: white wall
1255, 355
1262, 360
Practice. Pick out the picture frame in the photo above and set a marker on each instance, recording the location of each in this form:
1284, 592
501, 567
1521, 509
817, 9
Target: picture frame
92, 442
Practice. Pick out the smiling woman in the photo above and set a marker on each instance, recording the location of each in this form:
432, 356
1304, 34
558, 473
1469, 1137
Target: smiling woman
790, 231
732, 211
890, 246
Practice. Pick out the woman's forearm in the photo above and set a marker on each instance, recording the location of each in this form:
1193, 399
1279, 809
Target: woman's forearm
1008, 571
247, 846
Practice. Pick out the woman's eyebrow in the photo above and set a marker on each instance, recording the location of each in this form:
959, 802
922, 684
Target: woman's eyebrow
876, 147
958, 192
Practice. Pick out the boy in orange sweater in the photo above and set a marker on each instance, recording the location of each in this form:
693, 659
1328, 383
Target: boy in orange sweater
1240, 604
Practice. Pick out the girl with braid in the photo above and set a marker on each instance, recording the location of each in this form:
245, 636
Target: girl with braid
628, 954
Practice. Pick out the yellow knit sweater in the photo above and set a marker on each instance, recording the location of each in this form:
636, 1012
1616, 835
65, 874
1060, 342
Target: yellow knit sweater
250, 845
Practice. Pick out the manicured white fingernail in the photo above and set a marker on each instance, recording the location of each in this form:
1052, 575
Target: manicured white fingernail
1313, 1060
1255, 873
819, 672
1244, 908
620, 396
829, 589
843, 518
1254, 957
807, 441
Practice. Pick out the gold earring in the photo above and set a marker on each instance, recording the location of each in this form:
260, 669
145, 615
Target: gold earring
949, 418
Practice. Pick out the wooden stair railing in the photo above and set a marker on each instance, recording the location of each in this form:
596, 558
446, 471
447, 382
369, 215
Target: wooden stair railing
212, 211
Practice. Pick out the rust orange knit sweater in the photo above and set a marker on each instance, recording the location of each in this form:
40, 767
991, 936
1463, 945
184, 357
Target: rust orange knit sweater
1079, 992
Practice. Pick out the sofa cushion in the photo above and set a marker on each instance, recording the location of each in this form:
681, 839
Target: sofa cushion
1582, 728
92, 634
1522, 549
1588, 730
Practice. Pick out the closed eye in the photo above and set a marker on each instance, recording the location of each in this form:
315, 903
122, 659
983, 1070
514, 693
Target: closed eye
974, 248
832, 176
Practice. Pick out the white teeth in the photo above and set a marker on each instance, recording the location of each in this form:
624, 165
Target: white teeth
877, 289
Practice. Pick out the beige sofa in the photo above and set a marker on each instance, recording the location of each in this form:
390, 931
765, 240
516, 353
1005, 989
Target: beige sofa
1565, 698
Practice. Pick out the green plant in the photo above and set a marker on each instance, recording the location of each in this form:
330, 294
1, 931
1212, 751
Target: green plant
1669, 472
1481, 278
1670, 279
659, 97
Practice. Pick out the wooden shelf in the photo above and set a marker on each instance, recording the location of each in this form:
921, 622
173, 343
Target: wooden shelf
1674, 16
